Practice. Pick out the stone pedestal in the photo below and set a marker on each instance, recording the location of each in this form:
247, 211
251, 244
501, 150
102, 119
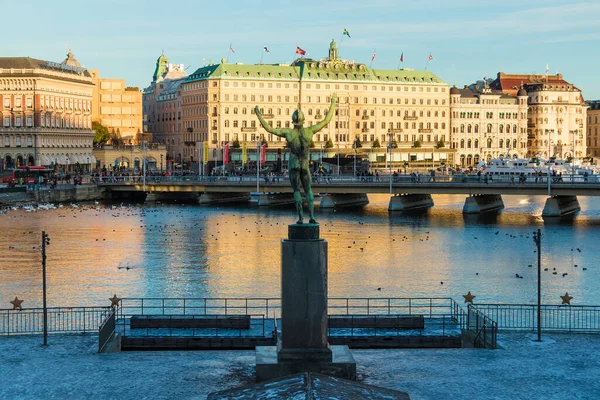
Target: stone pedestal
303, 346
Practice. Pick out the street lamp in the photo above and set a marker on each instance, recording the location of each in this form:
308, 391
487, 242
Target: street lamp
45, 242
391, 161
161, 163
354, 145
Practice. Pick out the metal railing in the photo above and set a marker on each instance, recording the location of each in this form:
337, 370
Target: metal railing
106, 330
60, 320
381, 179
447, 315
554, 318
485, 330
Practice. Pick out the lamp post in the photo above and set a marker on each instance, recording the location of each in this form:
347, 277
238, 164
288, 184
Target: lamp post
45, 242
354, 145
548, 161
338, 156
161, 162
391, 161
89, 165
574, 131
537, 238
144, 164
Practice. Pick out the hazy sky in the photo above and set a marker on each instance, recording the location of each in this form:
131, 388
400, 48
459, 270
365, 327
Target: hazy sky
468, 39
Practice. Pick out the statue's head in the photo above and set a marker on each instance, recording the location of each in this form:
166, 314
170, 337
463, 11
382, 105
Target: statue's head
298, 116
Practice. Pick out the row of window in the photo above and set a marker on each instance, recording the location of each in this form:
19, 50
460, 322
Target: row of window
502, 143
475, 128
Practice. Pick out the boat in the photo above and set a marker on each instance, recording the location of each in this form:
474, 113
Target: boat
510, 167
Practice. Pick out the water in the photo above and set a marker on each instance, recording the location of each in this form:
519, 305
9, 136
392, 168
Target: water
194, 251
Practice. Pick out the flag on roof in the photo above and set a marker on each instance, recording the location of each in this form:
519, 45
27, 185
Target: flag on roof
231, 48
547, 68
402, 57
346, 33
430, 57
266, 50
373, 58
300, 51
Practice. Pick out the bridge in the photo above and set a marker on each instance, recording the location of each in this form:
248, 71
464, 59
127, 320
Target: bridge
406, 193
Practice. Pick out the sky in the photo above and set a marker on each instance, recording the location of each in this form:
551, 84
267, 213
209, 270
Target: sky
468, 39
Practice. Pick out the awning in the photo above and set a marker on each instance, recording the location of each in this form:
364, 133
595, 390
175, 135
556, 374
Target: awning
45, 160
92, 159
61, 159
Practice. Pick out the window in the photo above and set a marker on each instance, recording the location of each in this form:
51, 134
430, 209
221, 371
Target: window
18, 140
6, 122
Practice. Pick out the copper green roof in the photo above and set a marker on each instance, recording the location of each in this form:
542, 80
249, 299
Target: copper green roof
161, 66
308, 69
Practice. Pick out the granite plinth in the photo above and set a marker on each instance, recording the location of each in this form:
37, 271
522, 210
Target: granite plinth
342, 364
304, 294
303, 232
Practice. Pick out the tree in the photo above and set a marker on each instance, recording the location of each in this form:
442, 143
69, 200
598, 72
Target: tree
311, 145
394, 144
440, 144
102, 135
235, 144
417, 144
376, 144
357, 143
115, 137
329, 144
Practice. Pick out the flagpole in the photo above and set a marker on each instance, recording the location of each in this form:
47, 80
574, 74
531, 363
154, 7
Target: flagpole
228, 53
372, 58
261, 56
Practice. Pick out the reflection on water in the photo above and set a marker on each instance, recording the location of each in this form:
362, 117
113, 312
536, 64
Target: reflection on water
193, 251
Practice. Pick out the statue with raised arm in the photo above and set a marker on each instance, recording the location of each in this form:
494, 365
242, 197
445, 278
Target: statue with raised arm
298, 140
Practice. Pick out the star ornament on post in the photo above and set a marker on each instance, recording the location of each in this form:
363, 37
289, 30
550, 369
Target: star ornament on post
114, 301
566, 299
17, 304
469, 297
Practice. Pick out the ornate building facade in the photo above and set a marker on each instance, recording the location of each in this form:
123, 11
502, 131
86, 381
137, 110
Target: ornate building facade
406, 108
556, 114
593, 125
46, 113
162, 108
487, 123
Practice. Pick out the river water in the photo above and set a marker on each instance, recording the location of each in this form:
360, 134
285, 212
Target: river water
195, 251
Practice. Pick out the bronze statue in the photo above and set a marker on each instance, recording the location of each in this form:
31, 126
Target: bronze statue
298, 140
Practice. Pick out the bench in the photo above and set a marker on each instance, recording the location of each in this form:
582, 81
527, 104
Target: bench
377, 321
190, 321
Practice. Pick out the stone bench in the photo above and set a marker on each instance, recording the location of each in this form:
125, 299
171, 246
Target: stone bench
377, 321
190, 321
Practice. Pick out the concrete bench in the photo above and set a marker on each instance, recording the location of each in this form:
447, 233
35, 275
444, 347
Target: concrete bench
190, 321
377, 321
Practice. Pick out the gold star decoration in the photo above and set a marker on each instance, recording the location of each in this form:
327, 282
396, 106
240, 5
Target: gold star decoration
469, 297
17, 304
566, 299
114, 301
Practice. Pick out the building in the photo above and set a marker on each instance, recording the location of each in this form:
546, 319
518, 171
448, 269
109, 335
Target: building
406, 108
487, 123
117, 107
556, 114
593, 112
46, 113
163, 108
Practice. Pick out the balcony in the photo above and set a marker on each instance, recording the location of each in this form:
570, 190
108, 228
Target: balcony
249, 129
365, 117
409, 118
425, 130
395, 130
365, 129
214, 128
268, 116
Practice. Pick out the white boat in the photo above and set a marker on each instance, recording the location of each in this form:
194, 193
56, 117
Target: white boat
509, 167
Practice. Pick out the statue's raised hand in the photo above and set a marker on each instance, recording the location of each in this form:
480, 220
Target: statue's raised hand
256, 110
334, 98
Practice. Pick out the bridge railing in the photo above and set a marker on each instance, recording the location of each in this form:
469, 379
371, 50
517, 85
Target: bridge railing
60, 320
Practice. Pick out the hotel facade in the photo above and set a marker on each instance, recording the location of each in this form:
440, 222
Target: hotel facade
405, 108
